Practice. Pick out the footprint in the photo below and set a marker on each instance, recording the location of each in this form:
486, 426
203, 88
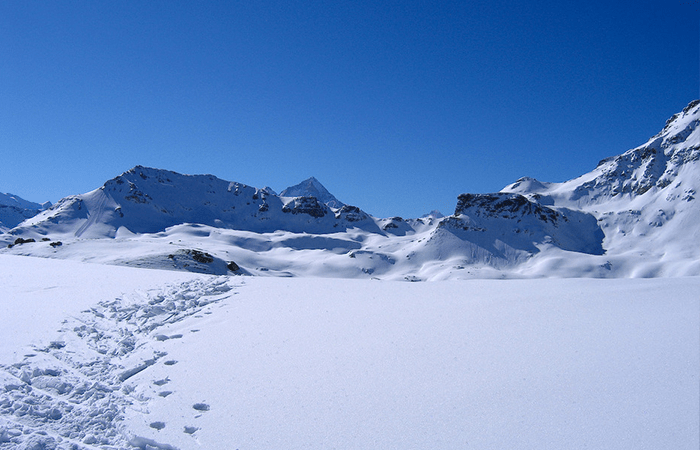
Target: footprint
201, 406
170, 362
158, 425
165, 380
176, 336
165, 393
191, 430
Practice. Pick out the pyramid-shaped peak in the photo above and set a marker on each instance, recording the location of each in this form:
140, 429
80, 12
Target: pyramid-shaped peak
311, 187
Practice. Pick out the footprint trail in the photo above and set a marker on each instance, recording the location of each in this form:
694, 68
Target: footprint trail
74, 392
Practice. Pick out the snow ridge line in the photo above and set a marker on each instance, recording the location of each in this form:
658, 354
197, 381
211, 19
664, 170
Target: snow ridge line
72, 394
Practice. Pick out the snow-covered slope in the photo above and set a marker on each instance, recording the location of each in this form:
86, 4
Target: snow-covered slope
14, 210
635, 215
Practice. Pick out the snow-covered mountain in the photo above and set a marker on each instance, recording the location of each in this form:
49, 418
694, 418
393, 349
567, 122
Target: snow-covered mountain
311, 187
634, 215
14, 210
644, 200
147, 200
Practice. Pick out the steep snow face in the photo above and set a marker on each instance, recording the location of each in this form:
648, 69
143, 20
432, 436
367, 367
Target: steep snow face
145, 200
311, 187
14, 210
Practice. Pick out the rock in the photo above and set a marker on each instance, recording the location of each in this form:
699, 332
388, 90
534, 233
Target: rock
306, 205
504, 205
202, 257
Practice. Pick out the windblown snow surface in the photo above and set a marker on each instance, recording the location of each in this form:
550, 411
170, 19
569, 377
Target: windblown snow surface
105, 357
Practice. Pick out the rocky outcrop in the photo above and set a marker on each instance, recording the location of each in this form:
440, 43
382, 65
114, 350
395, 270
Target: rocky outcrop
505, 206
306, 205
351, 214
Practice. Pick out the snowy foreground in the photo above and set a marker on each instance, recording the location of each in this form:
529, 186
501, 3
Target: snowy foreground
106, 357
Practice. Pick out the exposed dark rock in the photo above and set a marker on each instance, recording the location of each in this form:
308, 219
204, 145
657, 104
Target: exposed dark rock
137, 196
690, 106
233, 267
305, 205
505, 205
20, 241
454, 222
351, 214
204, 258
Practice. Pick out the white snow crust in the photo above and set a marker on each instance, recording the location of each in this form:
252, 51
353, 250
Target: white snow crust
125, 358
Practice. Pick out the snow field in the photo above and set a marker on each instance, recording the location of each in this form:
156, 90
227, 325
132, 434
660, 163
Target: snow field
135, 358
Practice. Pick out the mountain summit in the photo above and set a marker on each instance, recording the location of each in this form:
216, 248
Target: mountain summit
311, 187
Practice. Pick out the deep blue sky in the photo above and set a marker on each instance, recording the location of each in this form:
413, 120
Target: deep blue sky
395, 106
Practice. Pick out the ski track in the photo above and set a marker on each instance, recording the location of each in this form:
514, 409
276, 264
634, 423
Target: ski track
72, 394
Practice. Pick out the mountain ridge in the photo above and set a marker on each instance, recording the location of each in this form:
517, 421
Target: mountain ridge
632, 215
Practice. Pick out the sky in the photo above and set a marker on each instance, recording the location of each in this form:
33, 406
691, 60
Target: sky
395, 106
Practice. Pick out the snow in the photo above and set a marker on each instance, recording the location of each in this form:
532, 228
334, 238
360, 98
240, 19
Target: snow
311, 187
14, 210
39, 293
634, 215
169, 311
141, 358
17, 201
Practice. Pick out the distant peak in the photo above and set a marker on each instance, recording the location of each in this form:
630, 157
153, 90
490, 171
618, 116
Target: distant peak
9, 199
311, 187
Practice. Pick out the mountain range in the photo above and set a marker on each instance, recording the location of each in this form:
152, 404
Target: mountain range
634, 215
